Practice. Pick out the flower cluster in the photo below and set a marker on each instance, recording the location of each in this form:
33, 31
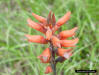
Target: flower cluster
48, 26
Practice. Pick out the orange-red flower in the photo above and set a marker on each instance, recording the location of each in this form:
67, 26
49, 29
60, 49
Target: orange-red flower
48, 69
39, 18
36, 39
67, 33
69, 43
66, 53
36, 26
62, 20
45, 56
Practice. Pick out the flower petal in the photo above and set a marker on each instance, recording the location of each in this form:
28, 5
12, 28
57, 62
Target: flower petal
39, 18
67, 33
69, 43
36, 26
36, 39
45, 56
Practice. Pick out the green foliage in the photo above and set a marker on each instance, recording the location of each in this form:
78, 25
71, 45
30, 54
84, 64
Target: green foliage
18, 57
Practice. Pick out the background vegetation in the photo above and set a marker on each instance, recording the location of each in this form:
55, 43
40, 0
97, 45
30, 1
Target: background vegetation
18, 57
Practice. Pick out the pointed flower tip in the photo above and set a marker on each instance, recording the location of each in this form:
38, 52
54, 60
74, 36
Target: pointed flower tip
50, 12
33, 14
38, 57
26, 35
75, 28
69, 12
28, 19
77, 39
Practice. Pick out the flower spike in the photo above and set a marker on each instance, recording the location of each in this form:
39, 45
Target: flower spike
36, 39
39, 18
48, 26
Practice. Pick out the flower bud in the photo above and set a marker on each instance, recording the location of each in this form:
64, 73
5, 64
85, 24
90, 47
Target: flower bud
69, 43
39, 18
67, 33
36, 39
36, 26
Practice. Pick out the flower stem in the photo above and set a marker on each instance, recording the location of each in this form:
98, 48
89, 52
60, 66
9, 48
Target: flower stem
53, 63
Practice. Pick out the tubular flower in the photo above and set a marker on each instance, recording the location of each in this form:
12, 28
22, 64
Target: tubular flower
69, 43
48, 69
62, 20
66, 53
45, 56
48, 26
67, 33
35, 26
39, 18
36, 39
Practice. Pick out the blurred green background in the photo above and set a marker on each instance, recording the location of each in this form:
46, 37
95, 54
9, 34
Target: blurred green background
18, 57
